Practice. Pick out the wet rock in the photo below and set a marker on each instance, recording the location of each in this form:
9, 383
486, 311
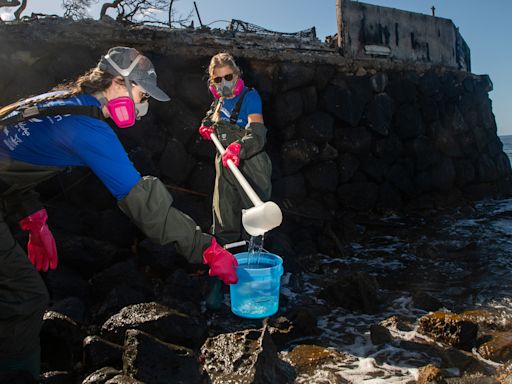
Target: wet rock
488, 320
307, 358
379, 334
72, 307
101, 353
499, 348
57, 377
247, 356
297, 324
430, 374
61, 342
150, 360
123, 379
398, 324
101, 376
162, 322
449, 328
115, 300
423, 300
358, 292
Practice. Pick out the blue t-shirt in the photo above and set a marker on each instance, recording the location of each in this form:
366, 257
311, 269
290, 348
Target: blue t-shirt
250, 105
72, 140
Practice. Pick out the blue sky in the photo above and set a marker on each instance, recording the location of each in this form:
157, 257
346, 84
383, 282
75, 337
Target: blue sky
486, 27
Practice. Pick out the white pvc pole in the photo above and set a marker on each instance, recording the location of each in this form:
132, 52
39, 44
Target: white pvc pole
241, 179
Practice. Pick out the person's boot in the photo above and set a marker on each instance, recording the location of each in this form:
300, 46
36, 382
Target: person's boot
215, 297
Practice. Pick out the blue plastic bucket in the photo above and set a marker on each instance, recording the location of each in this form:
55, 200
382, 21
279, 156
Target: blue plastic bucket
256, 295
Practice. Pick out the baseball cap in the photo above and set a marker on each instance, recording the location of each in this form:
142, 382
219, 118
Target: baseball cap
131, 64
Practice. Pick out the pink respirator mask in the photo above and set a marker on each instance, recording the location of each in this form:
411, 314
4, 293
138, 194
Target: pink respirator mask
123, 110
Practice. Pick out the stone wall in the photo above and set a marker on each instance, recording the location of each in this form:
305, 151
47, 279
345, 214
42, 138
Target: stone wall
343, 135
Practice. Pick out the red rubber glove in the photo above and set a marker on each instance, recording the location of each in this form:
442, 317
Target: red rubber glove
205, 132
222, 263
41, 248
232, 152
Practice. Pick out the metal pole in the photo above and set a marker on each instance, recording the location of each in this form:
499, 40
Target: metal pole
199, 17
339, 22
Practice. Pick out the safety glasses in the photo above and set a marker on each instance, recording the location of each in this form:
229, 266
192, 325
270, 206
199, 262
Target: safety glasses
227, 77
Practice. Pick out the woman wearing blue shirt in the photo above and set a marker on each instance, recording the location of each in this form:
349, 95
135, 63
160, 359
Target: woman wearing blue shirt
43, 135
236, 118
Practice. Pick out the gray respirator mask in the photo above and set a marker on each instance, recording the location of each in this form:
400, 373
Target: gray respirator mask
225, 88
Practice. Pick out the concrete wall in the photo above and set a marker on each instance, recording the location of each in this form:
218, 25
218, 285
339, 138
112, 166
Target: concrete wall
402, 36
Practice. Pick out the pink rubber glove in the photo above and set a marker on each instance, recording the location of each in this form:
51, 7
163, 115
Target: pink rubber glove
232, 152
41, 248
222, 263
205, 132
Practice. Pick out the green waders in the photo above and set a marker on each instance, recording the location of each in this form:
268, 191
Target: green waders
228, 196
23, 294
23, 301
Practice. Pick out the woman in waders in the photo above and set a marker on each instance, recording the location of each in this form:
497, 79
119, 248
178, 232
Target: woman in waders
43, 135
236, 118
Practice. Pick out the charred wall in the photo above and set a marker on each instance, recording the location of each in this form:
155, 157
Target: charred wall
343, 135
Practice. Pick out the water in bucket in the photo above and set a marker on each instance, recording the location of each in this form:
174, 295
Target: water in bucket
256, 295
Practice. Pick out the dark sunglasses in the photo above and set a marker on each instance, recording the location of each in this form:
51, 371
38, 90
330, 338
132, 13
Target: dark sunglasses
227, 77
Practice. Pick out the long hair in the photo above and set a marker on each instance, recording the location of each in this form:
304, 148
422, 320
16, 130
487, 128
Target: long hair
221, 60
94, 80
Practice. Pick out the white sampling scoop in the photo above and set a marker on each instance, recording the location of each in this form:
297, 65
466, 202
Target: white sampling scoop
263, 216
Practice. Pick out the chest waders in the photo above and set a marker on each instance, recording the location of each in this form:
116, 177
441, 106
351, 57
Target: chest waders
228, 196
23, 294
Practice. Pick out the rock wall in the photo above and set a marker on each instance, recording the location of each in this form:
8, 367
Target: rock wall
343, 135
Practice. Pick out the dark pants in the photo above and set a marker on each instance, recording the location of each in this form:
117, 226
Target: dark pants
23, 300
229, 198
